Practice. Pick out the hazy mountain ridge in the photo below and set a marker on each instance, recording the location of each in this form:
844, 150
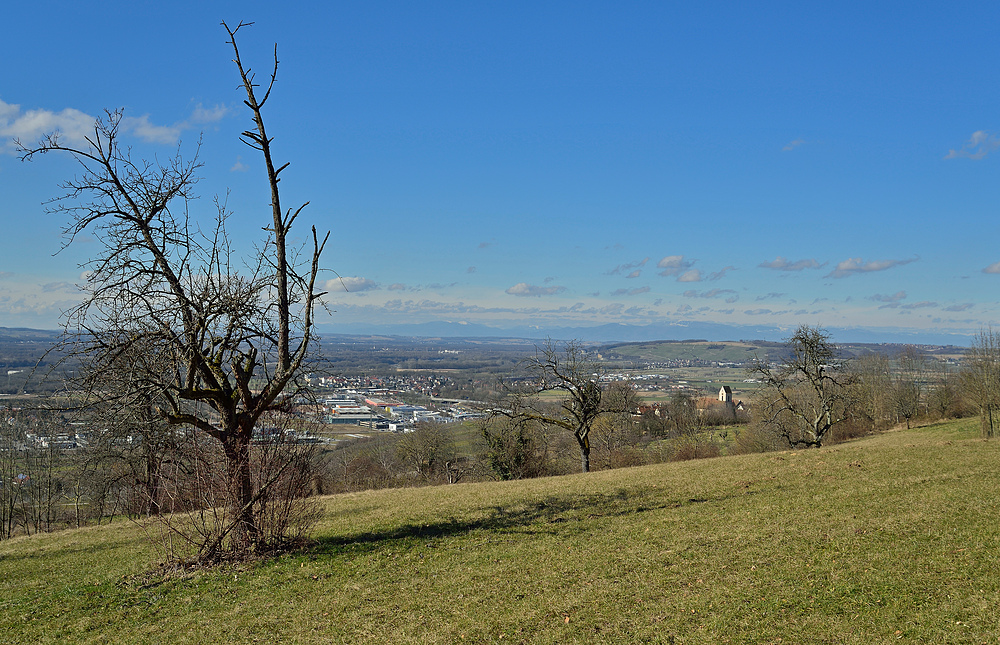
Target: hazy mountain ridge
615, 332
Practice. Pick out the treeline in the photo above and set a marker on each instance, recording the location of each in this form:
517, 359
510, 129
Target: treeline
815, 395
500, 448
52, 477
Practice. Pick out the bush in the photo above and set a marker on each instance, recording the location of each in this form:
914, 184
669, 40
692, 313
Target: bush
513, 448
689, 448
757, 438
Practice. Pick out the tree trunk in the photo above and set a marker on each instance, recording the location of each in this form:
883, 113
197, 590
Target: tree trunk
240, 499
152, 486
585, 454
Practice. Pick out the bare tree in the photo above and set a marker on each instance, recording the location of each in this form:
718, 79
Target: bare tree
567, 371
944, 397
618, 440
428, 450
805, 396
981, 378
873, 387
128, 447
514, 448
213, 340
908, 383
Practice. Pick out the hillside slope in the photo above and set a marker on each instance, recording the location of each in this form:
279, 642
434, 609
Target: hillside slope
890, 539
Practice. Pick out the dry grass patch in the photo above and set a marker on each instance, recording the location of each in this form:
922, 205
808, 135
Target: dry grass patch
888, 539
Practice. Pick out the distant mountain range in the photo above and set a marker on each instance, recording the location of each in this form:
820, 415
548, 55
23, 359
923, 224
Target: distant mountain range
609, 333
664, 331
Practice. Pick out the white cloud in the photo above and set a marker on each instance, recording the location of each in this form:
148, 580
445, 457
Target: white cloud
420, 310
993, 268
524, 289
168, 134
141, 127
714, 293
980, 144
852, 266
621, 268
792, 145
896, 297
694, 275
65, 287
74, 126
352, 284
8, 111
630, 292
674, 265
782, 264
29, 126
239, 166
26, 303
721, 273
208, 115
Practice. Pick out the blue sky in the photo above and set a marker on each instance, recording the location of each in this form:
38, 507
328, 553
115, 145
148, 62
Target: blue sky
552, 164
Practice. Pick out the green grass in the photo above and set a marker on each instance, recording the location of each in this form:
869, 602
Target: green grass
889, 539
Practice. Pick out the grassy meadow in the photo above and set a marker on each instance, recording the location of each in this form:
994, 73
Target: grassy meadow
894, 538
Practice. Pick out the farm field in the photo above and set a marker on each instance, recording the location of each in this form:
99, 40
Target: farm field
694, 351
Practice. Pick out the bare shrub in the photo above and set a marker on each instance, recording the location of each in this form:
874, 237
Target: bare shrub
428, 451
757, 437
514, 448
945, 400
196, 523
981, 379
852, 427
720, 414
618, 442
687, 448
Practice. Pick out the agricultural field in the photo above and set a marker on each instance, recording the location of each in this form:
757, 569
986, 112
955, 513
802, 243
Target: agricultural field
693, 351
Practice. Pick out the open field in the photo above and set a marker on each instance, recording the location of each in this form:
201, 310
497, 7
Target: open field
736, 352
889, 539
703, 381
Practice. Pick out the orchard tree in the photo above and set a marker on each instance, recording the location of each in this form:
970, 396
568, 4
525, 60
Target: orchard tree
981, 379
944, 398
908, 383
514, 448
568, 372
806, 395
174, 317
873, 388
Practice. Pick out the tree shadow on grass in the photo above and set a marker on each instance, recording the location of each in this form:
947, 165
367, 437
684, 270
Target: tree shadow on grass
551, 515
45, 551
